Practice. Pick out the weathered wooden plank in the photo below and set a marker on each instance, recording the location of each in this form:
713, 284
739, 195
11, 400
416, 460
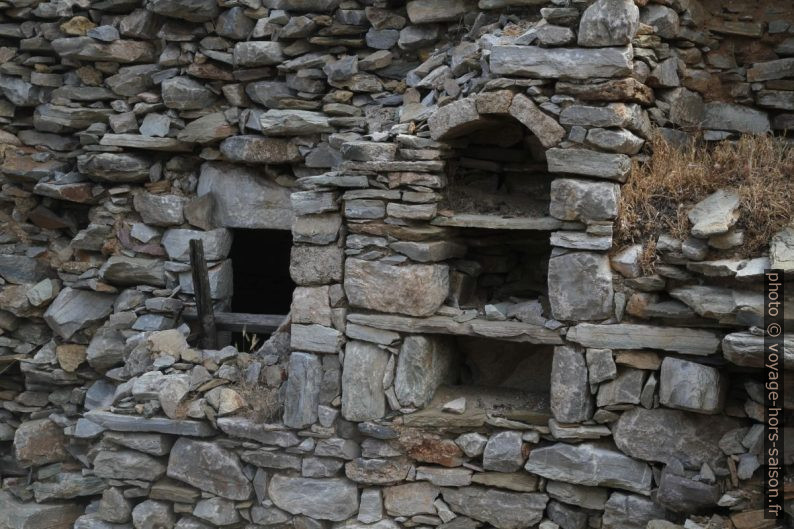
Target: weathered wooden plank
201, 288
239, 321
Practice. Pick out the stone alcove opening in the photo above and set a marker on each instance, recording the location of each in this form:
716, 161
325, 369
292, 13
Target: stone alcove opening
500, 267
479, 376
497, 170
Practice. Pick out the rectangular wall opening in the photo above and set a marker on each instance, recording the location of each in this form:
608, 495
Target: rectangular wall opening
260, 264
496, 378
260, 260
500, 267
497, 172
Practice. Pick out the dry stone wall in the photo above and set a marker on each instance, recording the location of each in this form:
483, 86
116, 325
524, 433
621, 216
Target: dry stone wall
465, 348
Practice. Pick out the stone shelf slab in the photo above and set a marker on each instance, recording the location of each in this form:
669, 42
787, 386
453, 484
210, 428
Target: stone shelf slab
634, 336
492, 222
481, 401
513, 331
136, 423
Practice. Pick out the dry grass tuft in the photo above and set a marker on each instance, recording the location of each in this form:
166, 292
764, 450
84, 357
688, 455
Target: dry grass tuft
263, 402
660, 192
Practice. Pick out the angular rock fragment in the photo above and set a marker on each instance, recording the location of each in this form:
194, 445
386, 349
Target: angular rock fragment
362, 381
503, 510
609, 23
418, 289
691, 386
590, 464
423, 364
561, 63
190, 10
208, 467
74, 310
663, 434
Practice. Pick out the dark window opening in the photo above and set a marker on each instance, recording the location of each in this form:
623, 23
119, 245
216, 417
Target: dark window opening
260, 261
500, 266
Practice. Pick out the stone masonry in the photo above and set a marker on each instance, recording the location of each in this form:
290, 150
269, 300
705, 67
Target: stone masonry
466, 347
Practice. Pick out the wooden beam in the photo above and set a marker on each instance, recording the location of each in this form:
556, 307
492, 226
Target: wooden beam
201, 289
239, 321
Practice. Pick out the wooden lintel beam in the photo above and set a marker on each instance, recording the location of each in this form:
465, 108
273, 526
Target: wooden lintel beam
239, 321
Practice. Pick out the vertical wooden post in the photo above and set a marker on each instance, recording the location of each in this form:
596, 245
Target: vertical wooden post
201, 289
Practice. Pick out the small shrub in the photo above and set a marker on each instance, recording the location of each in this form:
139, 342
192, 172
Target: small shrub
660, 191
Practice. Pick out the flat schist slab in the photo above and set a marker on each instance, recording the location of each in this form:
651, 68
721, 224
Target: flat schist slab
745, 349
472, 220
137, 141
513, 331
396, 166
562, 63
135, 423
17, 515
634, 336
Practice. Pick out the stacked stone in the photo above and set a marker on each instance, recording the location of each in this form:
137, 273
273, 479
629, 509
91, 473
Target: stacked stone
130, 129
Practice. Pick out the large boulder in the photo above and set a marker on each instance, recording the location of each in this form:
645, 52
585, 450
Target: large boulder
609, 23
423, 364
636, 336
74, 310
580, 286
715, 214
128, 464
257, 53
737, 118
190, 10
590, 464
210, 468
121, 270
39, 442
362, 381
501, 509
629, 511
575, 199
543, 126
115, 168
431, 11
245, 198
20, 269
302, 390
323, 499
276, 122
571, 401
561, 63
16, 514
260, 150
414, 290
160, 210
88, 49
611, 166
691, 386
661, 435
455, 119
217, 243
183, 93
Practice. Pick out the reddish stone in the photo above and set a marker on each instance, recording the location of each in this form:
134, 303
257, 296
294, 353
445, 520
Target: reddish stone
429, 448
